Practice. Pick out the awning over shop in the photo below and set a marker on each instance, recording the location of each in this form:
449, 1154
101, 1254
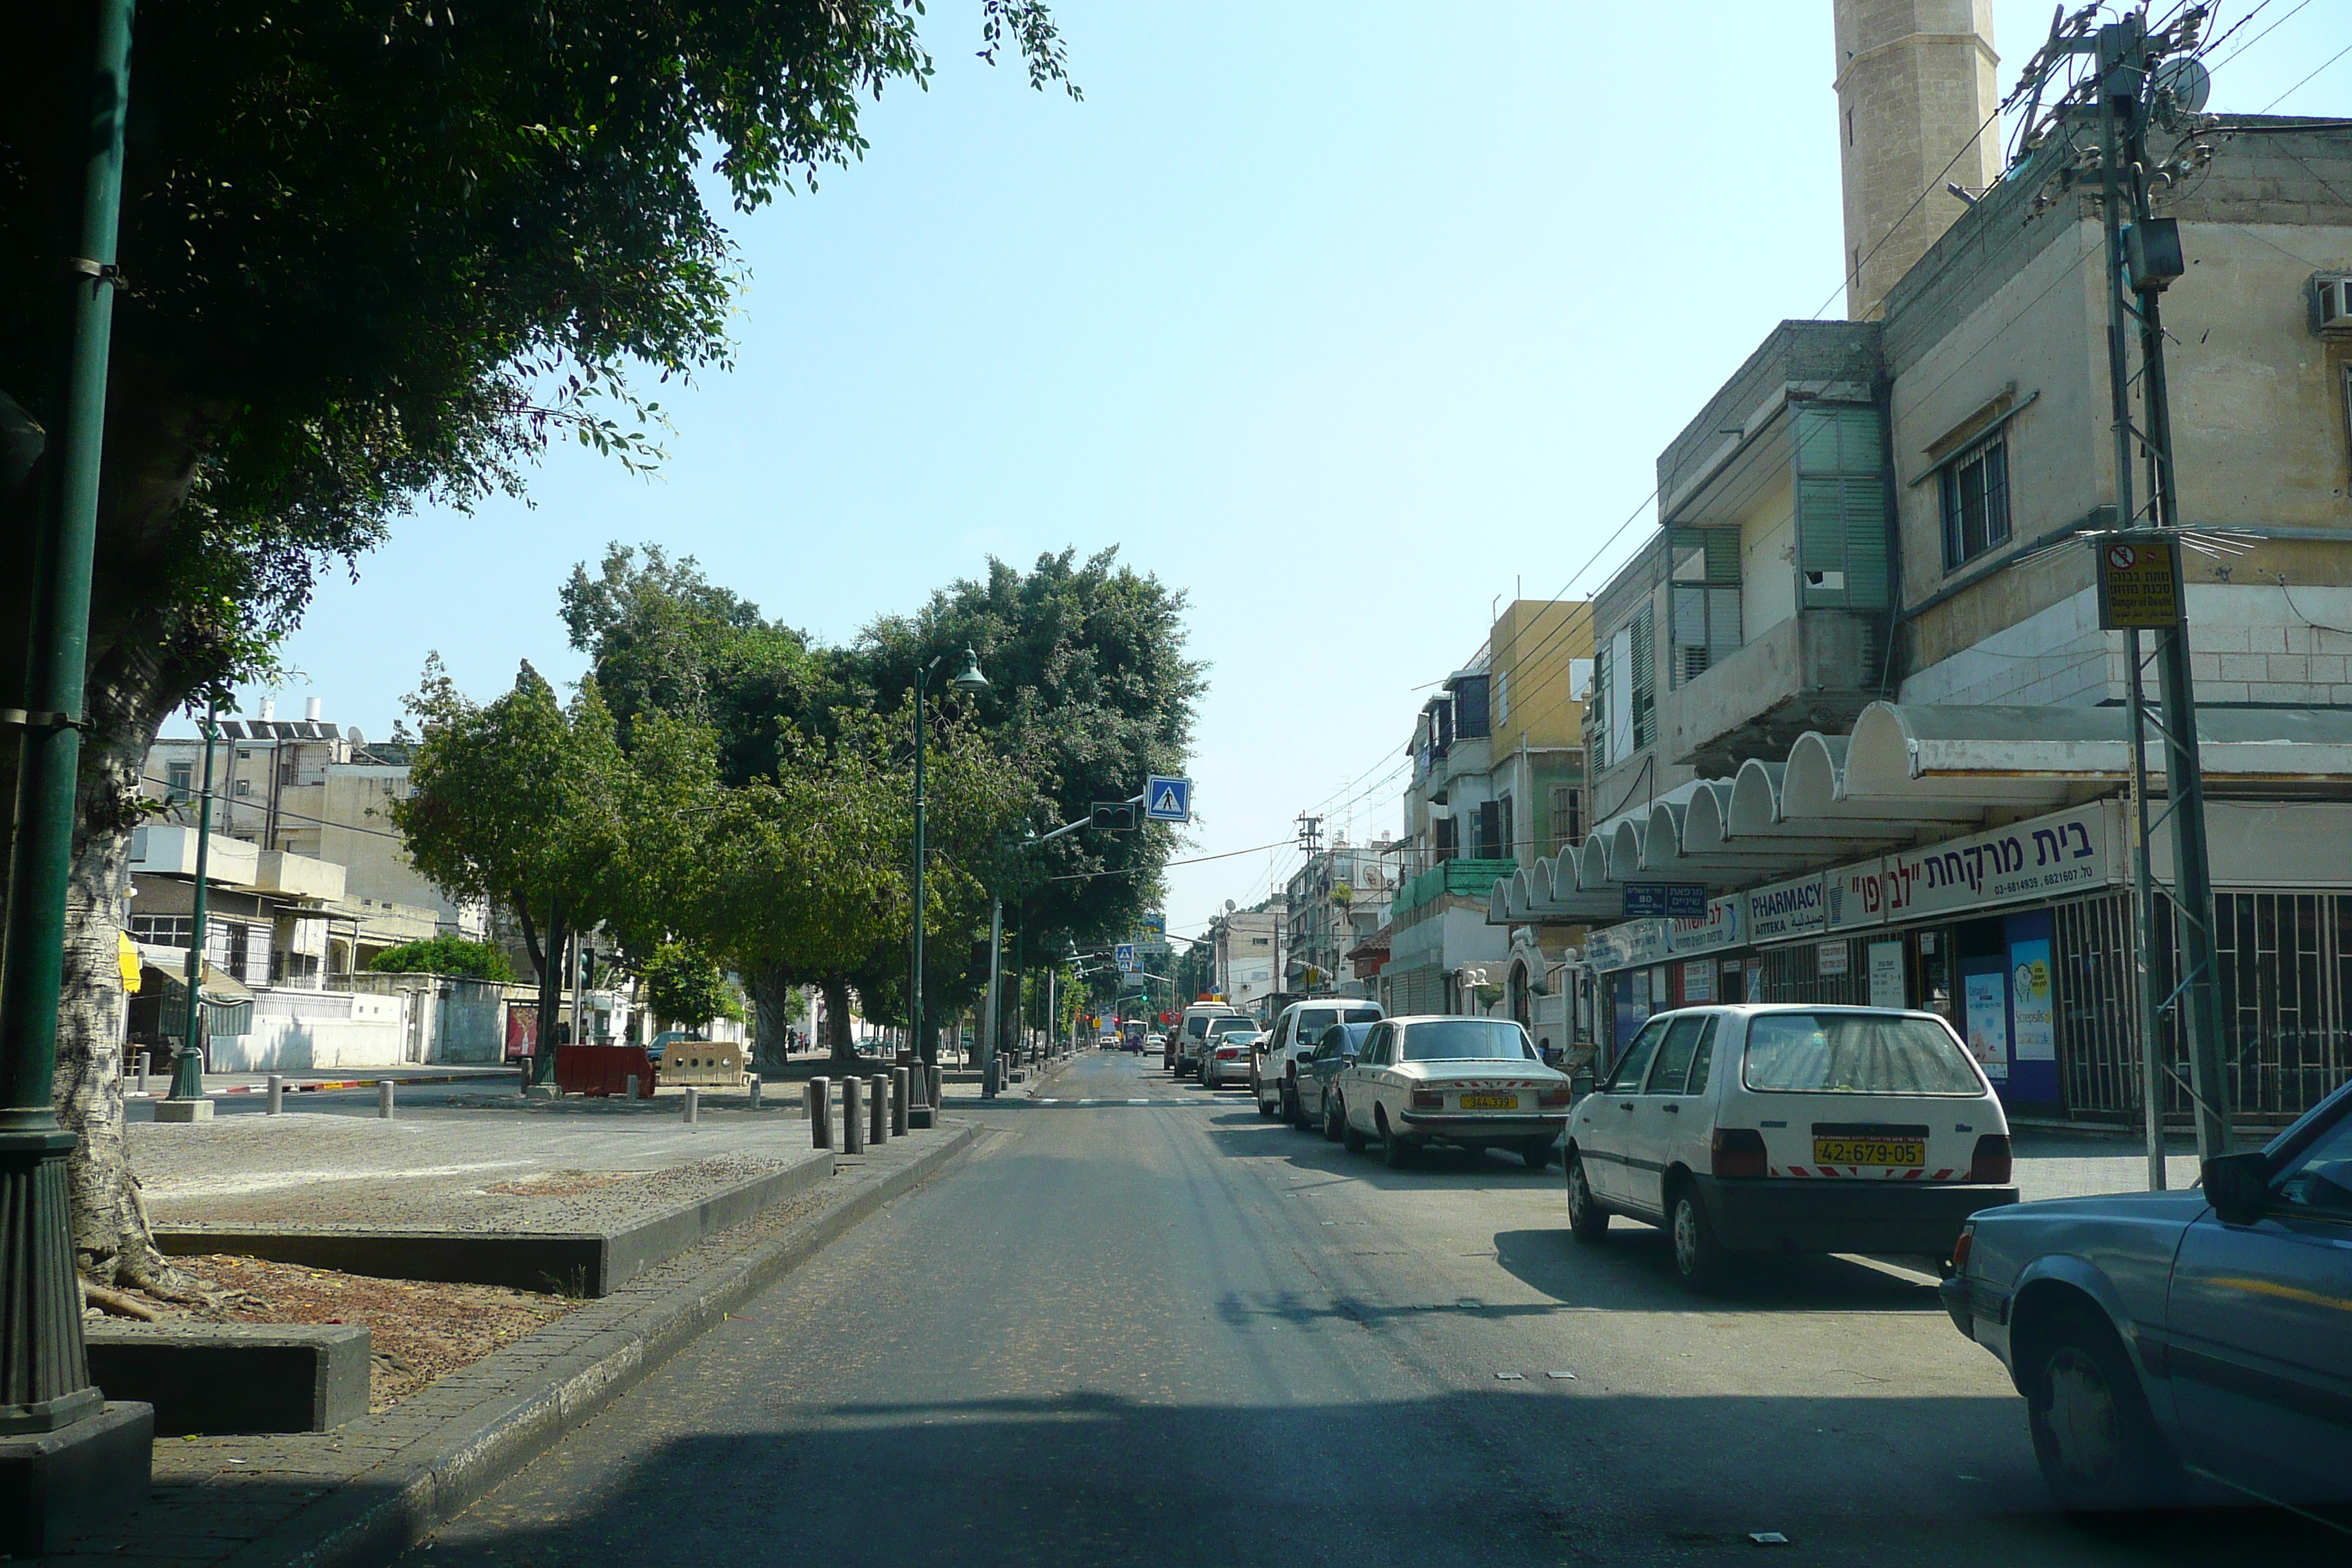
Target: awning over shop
1904, 774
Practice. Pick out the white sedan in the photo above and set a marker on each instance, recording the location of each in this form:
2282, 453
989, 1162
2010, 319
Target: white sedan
1468, 1083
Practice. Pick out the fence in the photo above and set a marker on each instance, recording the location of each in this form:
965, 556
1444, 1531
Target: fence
449, 1019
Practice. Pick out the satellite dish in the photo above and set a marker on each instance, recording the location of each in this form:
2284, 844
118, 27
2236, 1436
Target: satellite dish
2188, 80
351, 733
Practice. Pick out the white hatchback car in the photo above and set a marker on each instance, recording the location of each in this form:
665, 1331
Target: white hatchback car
1789, 1127
1469, 1083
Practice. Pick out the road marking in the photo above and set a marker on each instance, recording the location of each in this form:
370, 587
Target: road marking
1139, 1102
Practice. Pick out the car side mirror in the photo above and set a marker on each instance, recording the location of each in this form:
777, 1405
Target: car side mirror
2238, 1186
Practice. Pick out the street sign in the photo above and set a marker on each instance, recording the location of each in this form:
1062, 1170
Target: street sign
1665, 900
1124, 957
2139, 581
1168, 800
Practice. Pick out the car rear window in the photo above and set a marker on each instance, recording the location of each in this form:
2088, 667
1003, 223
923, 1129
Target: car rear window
1856, 1053
1465, 1039
1227, 1026
1313, 1021
1362, 1015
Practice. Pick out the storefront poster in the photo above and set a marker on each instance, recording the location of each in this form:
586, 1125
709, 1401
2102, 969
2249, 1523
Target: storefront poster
1886, 974
2034, 1015
1698, 980
1988, 1015
1831, 958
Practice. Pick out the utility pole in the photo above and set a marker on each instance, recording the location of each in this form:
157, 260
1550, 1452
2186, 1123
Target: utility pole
2143, 258
995, 1001
188, 1062
45, 1384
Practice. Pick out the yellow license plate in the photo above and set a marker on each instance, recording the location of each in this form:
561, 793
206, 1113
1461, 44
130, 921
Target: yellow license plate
1490, 1102
1869, 1152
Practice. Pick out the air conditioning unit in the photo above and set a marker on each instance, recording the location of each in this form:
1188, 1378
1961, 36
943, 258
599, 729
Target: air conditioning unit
2332, 303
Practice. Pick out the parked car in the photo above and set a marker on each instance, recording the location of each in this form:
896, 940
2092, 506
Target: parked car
1274, 1064
2156, 1333
1182, 1052
1466, 1083
1789, 1128
1319, 1069
1225, 1055
1217, 1035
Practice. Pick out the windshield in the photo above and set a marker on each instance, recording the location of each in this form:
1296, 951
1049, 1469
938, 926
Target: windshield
1856, 1053
1467, 1040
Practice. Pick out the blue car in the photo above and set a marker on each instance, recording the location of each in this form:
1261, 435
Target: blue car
2158, 1337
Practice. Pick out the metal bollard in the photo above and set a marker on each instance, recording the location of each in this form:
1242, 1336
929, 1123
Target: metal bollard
877, 1115
899, 1079
277, 1093
693, 1105
142, 1072
751, 1082
935, 1085
631, 1089
383, 1099
853, 1116
820, 1112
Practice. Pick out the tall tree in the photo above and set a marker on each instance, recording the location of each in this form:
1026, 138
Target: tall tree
377, 252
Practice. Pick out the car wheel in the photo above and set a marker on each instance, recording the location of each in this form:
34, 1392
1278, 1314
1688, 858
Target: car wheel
1699, 1256
1350, 1138
1396, 1152
1331, 1118
1292, 1111
1587, 1220
2098, 1446
1537, 1152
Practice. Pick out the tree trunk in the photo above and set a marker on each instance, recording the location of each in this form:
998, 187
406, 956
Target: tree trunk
836, 1020
772, 994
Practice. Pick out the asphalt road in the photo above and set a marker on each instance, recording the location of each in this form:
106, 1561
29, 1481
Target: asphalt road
1176, 1332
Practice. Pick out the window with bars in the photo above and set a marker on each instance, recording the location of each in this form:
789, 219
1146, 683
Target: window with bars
1975, 502
163, 931
1567, 816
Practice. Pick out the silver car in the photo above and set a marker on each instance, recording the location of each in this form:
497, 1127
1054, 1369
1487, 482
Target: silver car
2157, 1336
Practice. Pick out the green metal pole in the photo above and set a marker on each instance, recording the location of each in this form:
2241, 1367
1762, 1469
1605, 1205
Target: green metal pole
44, 1369
188, 1062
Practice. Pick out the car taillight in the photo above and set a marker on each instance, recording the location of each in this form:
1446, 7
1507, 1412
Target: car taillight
1553, 1098
1737, 1151
1428, 1100
1992, 1161
1962, 1247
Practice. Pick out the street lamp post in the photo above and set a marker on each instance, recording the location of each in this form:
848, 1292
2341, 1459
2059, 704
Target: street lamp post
188, 1063
971, 680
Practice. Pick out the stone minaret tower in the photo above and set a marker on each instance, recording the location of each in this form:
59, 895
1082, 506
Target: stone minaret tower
1915, 81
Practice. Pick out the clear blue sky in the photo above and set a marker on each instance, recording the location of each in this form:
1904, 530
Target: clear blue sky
1348, 317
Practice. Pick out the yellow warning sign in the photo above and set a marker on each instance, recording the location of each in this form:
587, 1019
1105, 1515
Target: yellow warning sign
2139, 581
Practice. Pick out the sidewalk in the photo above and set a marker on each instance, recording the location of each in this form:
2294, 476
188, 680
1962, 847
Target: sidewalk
159, 1084
359, 1495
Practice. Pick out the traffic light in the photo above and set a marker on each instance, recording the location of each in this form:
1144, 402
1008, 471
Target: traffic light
1113, 815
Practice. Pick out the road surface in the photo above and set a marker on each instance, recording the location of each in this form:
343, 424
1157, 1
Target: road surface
1175, 1333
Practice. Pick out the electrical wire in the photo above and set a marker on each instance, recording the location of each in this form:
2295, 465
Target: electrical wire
2298, 87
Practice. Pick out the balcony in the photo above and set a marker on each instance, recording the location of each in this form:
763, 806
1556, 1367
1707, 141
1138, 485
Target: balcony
1818, 669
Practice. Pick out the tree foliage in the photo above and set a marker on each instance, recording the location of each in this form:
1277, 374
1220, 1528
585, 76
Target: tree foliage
684, 986
445, 954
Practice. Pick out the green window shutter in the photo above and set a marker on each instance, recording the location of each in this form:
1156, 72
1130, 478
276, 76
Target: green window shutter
1842, 521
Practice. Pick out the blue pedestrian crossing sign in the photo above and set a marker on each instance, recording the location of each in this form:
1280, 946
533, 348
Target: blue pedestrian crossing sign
1168, 800
1124, 957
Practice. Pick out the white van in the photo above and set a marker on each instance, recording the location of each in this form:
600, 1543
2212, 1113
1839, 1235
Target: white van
1789, 1127
1273, 1066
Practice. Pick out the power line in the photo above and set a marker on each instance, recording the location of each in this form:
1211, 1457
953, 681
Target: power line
2298, 87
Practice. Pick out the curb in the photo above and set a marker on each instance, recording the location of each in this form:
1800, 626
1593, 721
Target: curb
374, 1517
315, 1085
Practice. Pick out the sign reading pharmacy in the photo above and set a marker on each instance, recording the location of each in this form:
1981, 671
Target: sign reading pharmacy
1168, 799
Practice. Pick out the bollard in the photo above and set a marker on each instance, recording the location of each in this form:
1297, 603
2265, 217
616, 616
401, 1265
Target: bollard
751, 1082
934, 1087
900, 1078
820, 1112
632, 1090
693, 1105
383, 1099
877, 1115
142, 1072
277, 1093
853, 1116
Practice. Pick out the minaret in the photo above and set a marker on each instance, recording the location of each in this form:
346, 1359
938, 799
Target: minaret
1915, 87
